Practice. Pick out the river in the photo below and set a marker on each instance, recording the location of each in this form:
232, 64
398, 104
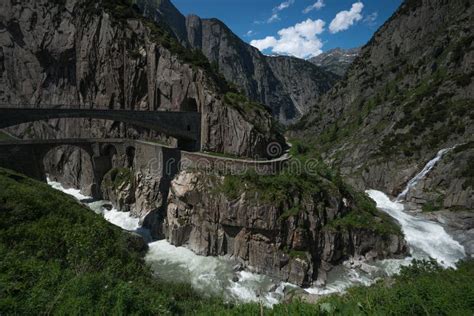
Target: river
222, 276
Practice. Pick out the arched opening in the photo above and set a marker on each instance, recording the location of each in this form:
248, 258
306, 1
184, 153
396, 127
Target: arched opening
130, 153
189, 105
71, 166
110, 152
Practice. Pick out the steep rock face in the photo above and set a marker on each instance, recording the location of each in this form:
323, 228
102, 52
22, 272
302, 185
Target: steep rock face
297, 248
70, 166
77, 55
336, 60
408, 95
449, 185
268, 80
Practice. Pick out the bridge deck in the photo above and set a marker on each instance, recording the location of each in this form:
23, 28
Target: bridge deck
181, 125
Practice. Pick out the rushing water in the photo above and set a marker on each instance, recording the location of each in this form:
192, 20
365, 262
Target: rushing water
221, 276
425, 238
428, 167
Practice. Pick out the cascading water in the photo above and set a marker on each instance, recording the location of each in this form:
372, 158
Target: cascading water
428, 167
425, 238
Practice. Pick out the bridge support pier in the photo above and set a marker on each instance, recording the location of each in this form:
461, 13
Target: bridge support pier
101, 165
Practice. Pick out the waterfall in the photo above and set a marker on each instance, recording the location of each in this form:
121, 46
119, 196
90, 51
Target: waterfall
428, 167
426, 239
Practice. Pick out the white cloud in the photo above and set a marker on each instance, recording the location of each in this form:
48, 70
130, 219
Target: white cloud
299, 40
273, 18
275, 12
265, 43
250, 33
284, 5
316, 6
371, 18
346, 19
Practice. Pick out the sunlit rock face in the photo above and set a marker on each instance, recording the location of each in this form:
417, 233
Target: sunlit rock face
408, 95
296, 248
288, 85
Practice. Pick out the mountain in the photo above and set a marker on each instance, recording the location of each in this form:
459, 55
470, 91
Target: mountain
408, 95
286, 84
108, 56
336, 60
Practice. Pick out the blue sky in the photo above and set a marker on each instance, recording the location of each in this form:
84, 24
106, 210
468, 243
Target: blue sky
301, 28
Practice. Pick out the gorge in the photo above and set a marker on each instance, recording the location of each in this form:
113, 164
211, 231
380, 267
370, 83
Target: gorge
210, 178
425, 238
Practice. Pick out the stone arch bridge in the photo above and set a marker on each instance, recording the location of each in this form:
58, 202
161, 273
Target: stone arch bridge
27, 156
184, 126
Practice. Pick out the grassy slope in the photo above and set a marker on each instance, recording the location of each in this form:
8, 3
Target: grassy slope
58, 257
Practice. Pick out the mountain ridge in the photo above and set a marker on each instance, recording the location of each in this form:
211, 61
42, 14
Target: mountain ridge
408, 95
258, 76
337, 60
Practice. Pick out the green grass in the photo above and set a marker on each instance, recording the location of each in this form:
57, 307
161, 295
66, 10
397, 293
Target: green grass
423, 289
57, 257
312, 182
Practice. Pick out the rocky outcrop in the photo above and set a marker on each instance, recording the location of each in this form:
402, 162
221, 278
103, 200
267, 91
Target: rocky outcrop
268, 80
449, 186
294, 245
118, 186
336, 60
70, 166
69, 53
408, 95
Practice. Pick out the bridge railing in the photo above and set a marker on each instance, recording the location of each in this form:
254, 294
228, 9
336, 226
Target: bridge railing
47, 106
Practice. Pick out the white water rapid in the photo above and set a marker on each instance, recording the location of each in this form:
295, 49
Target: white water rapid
208, 275
218, 275
426, 239
428, 167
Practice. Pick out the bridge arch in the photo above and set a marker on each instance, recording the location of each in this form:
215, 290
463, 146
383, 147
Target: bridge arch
184, 126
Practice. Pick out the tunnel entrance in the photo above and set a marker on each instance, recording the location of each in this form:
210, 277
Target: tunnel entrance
130, 153
110, 152
189, 105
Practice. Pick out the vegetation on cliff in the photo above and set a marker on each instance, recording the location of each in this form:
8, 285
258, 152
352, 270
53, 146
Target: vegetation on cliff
58, 257
118, 177
160, 33
305, 179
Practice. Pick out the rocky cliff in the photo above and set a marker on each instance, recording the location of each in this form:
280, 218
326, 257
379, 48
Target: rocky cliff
336, 60
264, 79
294, 227
106, 55
408, 95
297, 239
